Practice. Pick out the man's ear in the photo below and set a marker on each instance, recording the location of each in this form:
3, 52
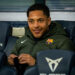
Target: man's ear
49, 20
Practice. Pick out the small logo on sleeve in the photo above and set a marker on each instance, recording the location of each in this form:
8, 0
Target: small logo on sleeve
23, 41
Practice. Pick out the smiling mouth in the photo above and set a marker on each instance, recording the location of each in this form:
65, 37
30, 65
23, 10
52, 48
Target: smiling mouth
37, 31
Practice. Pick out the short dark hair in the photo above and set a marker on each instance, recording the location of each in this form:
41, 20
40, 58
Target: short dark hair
42, 7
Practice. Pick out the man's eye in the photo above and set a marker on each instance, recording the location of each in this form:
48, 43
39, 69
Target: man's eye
31, 21
41, 20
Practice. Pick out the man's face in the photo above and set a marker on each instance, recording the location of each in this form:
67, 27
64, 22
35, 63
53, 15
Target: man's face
38, 23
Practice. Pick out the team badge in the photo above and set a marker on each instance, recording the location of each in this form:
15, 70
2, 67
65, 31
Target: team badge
49, 41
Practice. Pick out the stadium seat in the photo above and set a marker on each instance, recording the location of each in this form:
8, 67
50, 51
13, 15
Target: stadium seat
69, 27
10, 45
56, 62
73, 34
32, 71
4, 33
6, 70
3, 59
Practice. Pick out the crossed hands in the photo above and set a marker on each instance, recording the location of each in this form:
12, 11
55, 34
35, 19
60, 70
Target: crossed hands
23, 59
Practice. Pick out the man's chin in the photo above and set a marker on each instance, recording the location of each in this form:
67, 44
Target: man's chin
37, 36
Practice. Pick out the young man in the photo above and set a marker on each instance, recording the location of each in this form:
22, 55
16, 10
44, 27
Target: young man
40, 35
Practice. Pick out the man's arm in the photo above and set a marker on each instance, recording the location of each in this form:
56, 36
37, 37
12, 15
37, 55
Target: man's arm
66, 44
13, 55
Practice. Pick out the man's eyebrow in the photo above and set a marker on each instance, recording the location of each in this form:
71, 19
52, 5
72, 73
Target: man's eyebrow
30, 19
40, 18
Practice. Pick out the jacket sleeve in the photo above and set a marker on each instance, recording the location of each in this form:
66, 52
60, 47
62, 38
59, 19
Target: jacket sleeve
14, 51
16, 47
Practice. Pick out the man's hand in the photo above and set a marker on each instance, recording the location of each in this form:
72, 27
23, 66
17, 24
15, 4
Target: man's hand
26, 59
11, 59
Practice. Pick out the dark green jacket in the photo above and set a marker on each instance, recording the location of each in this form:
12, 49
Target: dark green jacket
55, 38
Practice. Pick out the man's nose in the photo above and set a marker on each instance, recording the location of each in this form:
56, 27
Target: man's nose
36, 24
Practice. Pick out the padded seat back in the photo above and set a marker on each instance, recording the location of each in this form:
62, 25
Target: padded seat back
56, 62
4, 33
69, 27
73, 34
10, 45
3, 59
